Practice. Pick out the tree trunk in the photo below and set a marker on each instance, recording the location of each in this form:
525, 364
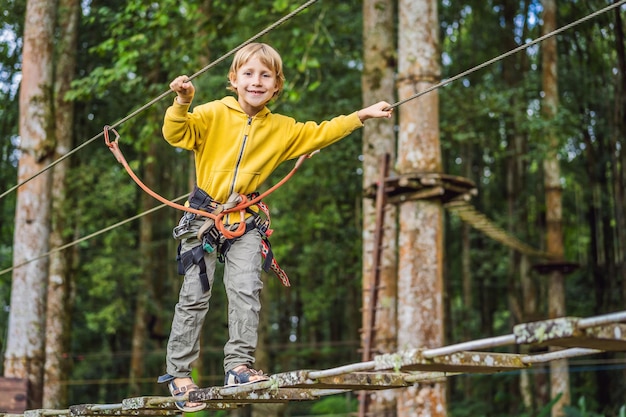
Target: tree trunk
25, 342
420, 263
619, 154
146, 247
59, 300
523, 291
467, 279
620, 164
559, 377
378, 140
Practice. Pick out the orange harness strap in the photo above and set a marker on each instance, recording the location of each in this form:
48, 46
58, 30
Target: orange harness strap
244, 202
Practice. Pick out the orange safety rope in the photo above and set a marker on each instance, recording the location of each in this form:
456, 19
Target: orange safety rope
218, 217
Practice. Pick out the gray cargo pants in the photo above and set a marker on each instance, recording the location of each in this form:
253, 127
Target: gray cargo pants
242, 281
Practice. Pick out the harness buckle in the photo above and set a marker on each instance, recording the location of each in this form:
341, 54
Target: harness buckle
184, 225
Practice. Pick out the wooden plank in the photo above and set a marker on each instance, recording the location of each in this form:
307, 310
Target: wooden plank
120, 410
160, 405
470, 362
227, 397
360, 380
14, 395
46, 413
244, 394
565, 332
347, 381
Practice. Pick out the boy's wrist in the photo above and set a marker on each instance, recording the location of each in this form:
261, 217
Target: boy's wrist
182, 101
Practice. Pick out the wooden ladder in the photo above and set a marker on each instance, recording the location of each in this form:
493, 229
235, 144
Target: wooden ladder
370, 309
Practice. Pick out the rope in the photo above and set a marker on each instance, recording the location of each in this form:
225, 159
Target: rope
218, 217
269, 28
506, 54
114, 147
87, 237
163, 95
289, 16
479, 221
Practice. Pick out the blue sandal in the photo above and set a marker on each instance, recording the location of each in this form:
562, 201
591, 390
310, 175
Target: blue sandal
178, 392
244, 376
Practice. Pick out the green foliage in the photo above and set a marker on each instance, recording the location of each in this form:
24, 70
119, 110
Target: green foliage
11, 24
474, 407
581, 410
489, 121
335, 405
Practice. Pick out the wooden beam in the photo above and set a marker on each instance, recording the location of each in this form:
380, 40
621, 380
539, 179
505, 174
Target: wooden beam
166, 404
247, 394
566, 332
14, 395
475, 362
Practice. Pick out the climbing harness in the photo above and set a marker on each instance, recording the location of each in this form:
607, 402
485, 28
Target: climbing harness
214, 234
281, 21
211, 240
166, 93
222, 58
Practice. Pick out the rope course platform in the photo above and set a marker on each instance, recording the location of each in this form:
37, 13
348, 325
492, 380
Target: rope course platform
576, 336
479, 221
454, 192
423, 186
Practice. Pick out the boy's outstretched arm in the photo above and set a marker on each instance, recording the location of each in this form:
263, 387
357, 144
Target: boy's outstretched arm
380, 109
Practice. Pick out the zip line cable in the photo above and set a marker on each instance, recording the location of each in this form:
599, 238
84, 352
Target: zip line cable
165, 94
269, 28
281, 21
507, 54
92, 235
128, 117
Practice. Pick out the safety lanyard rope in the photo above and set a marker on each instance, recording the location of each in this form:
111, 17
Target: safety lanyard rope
241, 206
162, 95
287, 17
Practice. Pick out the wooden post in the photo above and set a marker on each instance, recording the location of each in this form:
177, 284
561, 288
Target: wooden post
14, 394
420, 239
379, 138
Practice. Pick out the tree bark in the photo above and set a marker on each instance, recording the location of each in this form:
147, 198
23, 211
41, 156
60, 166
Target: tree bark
618, 154
420, 263
144, 293
59, 298
523, 289
25, 342
379, 140
559, 376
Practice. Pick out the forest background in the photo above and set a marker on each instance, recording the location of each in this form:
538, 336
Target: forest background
122, 284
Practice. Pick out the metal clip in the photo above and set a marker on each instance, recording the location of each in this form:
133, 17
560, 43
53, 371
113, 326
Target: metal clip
184, 225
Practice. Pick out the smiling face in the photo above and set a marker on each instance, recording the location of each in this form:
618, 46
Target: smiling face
255, 84
263, 62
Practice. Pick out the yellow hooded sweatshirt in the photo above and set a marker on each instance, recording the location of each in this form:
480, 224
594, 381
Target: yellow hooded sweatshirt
235, 152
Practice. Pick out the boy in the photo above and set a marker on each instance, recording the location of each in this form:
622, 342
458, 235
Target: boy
237, 144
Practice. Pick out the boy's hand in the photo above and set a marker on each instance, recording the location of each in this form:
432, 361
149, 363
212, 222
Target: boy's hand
380, 109
183, 88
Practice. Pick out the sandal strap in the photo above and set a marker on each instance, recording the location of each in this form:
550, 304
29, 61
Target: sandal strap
248, 372
251, 371
181, 390
244, 375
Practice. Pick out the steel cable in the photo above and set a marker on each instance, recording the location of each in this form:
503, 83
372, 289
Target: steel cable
163, 95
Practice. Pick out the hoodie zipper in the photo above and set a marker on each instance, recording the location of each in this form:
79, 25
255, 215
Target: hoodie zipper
240, 156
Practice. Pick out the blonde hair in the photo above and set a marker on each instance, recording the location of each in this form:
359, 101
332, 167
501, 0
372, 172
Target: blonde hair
266, 54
